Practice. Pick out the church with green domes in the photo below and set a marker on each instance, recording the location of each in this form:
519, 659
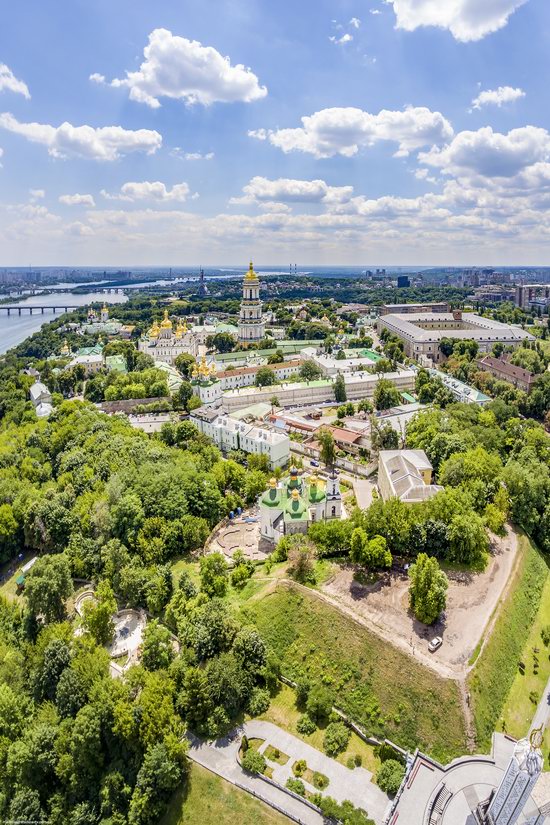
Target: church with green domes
296, 501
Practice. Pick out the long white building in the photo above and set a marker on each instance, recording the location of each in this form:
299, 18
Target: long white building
230, 434
422, 332
358, 385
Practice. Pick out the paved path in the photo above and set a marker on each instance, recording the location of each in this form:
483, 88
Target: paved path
542, 714
220, 758
356, 785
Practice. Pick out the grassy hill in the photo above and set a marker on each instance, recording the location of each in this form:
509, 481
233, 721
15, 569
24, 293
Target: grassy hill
499, 687
381, 688
209, 799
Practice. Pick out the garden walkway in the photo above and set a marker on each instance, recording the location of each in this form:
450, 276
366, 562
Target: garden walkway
355, 785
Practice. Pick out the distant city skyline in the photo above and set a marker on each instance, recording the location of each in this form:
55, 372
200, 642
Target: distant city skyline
328, 131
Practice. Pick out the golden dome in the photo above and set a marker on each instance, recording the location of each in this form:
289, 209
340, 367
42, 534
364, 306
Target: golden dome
295, 495
203, 368
179, 330
154, 331
212, 369
166, 322
65, 350
195, 371
272, 483
251, 275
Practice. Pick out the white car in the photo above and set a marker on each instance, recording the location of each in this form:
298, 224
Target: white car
435, 643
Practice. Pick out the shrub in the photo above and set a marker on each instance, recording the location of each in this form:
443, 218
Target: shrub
350, 763
385, 752
320, 781
319, 702
358, 760
305, 725
297, 786
337, 736
253, 762
300, 767
302, 692
390, 776
244, 743
240, 575
258, 702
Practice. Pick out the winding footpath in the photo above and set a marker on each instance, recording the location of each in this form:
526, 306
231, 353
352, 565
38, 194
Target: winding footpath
220, 757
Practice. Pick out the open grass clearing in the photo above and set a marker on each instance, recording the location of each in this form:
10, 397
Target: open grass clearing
495, 681
382, 689
284, 713
207, 798
518, 710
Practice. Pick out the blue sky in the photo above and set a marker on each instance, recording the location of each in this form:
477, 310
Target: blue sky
351, 132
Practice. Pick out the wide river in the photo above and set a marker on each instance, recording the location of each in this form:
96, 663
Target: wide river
15, 328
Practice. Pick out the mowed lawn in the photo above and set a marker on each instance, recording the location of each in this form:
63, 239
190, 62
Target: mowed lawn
530, 685
208, 799
500, 692
382, 689
284, 713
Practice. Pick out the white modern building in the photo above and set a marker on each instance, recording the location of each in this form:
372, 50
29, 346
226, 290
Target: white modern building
230, 434
251, 323
422, 332
407, 475
505, 788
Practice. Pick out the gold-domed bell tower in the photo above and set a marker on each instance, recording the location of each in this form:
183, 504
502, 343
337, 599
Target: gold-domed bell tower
251, 324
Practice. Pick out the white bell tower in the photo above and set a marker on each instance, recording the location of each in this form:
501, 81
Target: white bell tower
333, 506
251, 324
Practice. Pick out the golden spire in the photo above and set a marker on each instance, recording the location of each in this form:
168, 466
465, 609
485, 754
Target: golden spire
251, 275
179, 329
65, 350
203, 368
166, 322
212, 369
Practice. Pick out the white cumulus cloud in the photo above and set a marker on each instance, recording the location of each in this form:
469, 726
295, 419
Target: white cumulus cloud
177, 152
77, 200
288, 190
344, 130
35, 194
466, 19
490, 154
182, 69
150, 190
259, 134
341, 41
9, 83
355, 22
104, 143
497, 97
